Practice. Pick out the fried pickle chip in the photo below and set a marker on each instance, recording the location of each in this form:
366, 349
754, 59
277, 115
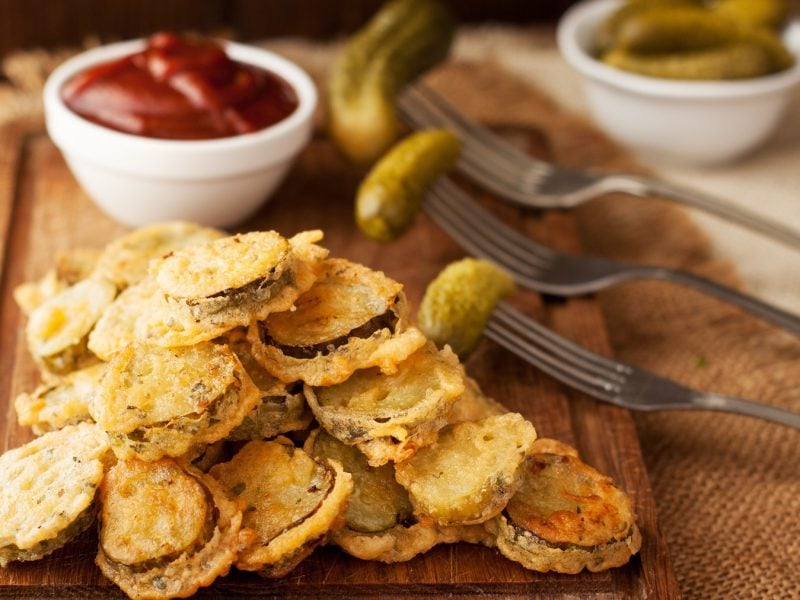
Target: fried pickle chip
156, 402
390, 416
473, 404
61, 403
566, 516
292, 503
468, 475
47, 489
351, 318
379, 522
58, 330
166, 529
211, 288
71, 267
125, 260
117, 326
282, 407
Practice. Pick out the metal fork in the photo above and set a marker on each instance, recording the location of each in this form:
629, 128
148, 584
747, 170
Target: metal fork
517, 176
549, 271
608, 380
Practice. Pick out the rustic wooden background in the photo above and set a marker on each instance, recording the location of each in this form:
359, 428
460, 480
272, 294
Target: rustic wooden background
51, 23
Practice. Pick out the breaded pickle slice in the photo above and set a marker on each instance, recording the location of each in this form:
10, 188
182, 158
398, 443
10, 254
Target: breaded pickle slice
391, 416
166, 529
472, 470
566, 516
47, 491
379, 522
125, 260
291, 503
117, 326
351, 318
156, 402
208, 289
282, 406
58, 330
60, 403
71, 267
473, 404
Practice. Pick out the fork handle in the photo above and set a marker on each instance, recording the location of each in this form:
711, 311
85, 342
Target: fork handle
776, 316
746, 407
643, 186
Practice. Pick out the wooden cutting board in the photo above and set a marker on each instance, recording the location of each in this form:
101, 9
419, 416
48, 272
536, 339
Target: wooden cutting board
43, 211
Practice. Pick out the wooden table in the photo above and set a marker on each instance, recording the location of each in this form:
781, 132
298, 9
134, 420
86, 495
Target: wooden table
42, 211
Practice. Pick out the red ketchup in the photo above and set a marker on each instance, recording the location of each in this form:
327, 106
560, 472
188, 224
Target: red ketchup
180, 88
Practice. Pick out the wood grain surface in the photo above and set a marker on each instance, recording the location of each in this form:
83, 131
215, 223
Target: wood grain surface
43, 211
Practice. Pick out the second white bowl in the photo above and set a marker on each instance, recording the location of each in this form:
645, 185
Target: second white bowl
694, 122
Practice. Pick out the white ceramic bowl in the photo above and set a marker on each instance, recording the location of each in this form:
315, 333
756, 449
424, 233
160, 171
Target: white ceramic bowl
692, 122
139, 180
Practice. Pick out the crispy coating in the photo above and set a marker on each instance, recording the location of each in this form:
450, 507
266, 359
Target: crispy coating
117, 326
282, 407
47, 488
125, 260
566, 516
158, 402
291, 503
352, 318
58, 330
166, 529
207, 290
379, 524
473, 404
471, 471
58, 404
71, 267
151, 511
390, 416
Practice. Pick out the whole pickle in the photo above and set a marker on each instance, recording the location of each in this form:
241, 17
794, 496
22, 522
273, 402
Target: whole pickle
674, 29
771, 14
607, 33
737, 61
458, 303
402, 41
391, 194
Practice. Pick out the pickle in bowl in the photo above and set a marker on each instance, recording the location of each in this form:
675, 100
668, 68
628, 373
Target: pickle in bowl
722, 40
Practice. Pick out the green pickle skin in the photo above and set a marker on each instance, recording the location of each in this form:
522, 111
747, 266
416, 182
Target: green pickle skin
458, 303
390, 196
726, 39
402, 41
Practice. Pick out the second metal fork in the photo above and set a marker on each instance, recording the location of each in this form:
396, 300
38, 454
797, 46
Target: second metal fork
611, 381
517, 176
549, 271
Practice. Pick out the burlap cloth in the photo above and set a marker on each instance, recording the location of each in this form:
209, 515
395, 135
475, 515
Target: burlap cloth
727, 487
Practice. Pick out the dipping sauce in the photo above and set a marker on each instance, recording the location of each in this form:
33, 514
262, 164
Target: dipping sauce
180, 88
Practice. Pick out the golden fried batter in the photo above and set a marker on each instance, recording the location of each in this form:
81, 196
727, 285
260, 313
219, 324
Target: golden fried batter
390, 416
566, 516
47, 489
352, 318
166, 529
158, 402
209, 289
125, 260
472, 470
291, 503
64, 402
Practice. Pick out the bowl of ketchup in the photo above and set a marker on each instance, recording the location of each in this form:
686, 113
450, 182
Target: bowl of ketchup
179, 127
